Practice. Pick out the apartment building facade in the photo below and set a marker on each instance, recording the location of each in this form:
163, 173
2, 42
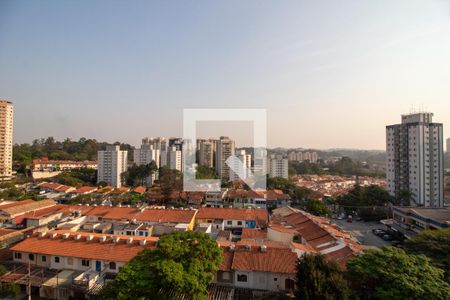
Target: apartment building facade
278, 166
112, 162
225, 149
415, 161
6, 139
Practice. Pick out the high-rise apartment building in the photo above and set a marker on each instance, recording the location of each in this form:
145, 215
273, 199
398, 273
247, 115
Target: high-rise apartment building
415, 159
206, 152
245, 166
158, 143
144, 156
448, 145
224, 149
175, 159
278, 166
112, 162
6, 139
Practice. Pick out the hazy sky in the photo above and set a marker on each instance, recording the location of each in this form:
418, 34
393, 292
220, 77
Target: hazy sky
330, 73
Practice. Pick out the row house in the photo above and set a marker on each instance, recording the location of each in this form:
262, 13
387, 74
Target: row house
12, 214
46, 165
53, 187
257, 266
306, 233
234, 219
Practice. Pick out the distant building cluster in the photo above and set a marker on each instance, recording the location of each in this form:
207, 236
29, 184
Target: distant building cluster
303, 156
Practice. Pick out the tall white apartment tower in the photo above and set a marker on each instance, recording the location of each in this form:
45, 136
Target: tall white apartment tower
206, 152
145, 155
158, 143
112, 162
278, 166
224, 149
415, 159
175, 161
6, 139
448, 145
245, 167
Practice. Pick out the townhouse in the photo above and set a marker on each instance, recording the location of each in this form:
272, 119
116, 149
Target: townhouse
234, 219
306, 233
45, 165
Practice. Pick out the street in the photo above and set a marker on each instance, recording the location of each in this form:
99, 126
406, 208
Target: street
363, 232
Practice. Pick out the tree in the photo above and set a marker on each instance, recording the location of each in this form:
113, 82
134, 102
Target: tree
435, 244
205, 172
183, 264
8, 289
392, 274
170, 181
317, 207
319, 279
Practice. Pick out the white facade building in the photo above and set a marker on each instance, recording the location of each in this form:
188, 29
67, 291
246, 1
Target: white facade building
112, 162
225, 149
6, 139
415, 160
244, 168
278, 166
145, 155
175, 159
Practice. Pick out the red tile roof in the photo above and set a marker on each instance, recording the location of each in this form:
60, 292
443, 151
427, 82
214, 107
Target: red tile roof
273, 260
139, 189
94, 249
85, 189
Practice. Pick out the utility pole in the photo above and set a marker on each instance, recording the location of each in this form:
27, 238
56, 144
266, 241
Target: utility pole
29, 281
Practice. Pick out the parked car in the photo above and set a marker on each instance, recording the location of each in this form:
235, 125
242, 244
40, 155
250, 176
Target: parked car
387, 237
350, 219
378, 232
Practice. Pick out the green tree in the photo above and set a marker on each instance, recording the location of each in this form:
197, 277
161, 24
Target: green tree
170, 181
435, 244
8, 289
317, 207
319, 279
183, 264
205, 172
392, 274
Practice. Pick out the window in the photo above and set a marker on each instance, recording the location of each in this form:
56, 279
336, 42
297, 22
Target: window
275, 279
112, 265
240, 223
17, 255
229, 222
85, 262
242, 278
57, 259
44, 258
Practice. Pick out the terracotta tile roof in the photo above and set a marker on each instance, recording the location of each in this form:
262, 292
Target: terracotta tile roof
273, 260
4, 231
227, 261
85, 189
258, 243
24, 207
302, 247
259, 215
250, 233
123, 189
15, 203
82, 248
146, 215
139, 189
341, 257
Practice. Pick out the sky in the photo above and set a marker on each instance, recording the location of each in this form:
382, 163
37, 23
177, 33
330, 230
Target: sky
331, 74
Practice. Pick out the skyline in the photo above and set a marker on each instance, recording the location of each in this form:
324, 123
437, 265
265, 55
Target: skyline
329, 75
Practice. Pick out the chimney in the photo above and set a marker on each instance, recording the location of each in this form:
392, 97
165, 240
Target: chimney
53, 235
263, 248
90, 237
77, 237
116, 239
102, 239
129, 240
142, 242
232, 248
66, 235
42, 234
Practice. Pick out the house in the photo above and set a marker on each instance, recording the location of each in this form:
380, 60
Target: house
13, 213
130, 229
84, 190
45, 165
306, 233
52, 187
234, 219
66, 250
277, 198
255, 266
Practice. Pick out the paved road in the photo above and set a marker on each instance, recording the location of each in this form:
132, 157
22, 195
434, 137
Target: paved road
363, 232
